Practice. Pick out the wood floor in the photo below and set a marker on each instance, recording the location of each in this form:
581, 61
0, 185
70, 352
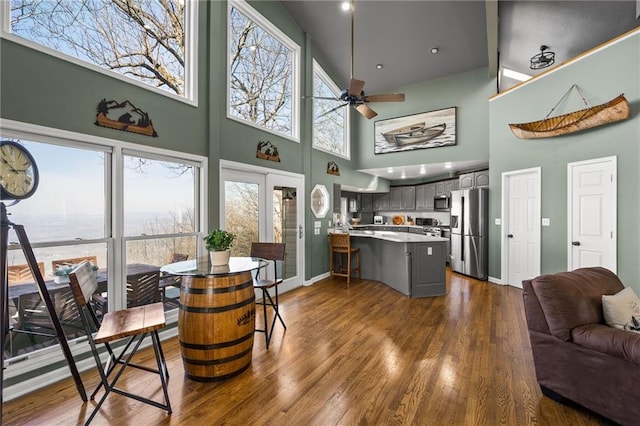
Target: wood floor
363, 355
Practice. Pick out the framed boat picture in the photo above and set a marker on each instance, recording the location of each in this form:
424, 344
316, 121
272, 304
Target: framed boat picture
431, 129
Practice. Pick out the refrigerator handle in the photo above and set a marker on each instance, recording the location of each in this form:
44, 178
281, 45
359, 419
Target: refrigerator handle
462, 232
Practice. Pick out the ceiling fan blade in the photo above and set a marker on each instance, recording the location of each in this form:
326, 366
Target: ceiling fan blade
389, 97
322, 98
355, 87
333, 109
366, 111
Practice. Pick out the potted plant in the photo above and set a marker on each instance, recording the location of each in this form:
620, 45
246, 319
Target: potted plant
61, 274
219, 243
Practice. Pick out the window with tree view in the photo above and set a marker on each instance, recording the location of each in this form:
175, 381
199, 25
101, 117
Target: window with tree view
140, 39
330, 124
263, 74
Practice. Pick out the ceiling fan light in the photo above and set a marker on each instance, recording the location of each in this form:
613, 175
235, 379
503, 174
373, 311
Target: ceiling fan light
434, 50
542, 59
379, 66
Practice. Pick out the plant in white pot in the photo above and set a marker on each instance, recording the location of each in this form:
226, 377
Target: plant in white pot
219, 243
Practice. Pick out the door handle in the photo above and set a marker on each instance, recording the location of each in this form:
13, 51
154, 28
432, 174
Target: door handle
575, 243
510, 236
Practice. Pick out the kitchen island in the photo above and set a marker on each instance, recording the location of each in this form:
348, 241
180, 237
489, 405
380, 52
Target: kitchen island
413, 264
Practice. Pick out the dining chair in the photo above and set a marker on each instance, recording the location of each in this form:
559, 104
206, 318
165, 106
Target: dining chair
340, 244
143, 289
133, 324
274, 253
73, 261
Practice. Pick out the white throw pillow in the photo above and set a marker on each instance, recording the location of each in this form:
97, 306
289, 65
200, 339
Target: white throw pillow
620, 307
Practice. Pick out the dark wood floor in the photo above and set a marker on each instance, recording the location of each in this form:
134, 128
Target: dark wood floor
359, 355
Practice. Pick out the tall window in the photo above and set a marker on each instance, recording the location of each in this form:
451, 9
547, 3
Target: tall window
263, 72
330, 125
144, 40
75, 215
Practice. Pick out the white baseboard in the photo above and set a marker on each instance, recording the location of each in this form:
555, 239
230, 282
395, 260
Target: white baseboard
496, 280
317, 278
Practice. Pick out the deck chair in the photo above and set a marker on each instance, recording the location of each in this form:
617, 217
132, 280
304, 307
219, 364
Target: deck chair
273, 252
17, 274
134, 324
143, 289
73, 261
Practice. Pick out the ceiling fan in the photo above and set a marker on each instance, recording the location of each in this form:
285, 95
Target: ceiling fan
354, 95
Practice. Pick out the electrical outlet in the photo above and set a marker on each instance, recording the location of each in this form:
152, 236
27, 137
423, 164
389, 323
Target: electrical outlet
497, 221
546, 221
316, 231
429, 251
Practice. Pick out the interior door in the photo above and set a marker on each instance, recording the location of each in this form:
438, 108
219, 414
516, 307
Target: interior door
592, 214
523, 227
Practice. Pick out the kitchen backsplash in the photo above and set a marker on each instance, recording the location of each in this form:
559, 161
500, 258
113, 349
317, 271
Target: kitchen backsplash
442, 217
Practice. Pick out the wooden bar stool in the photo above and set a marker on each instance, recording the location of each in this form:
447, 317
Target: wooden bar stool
340, 244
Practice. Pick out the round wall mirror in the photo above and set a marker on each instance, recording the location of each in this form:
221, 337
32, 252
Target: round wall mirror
319, 200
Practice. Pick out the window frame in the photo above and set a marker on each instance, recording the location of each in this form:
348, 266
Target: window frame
190, 64
114, 238
335, 89
274, 32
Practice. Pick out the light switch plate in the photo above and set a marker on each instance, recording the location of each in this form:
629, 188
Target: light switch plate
316, 231
317, 224
546, 221
429, 251
497, 221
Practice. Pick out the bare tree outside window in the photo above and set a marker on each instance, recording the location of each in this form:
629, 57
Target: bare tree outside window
329, 123
141, 39
261, 80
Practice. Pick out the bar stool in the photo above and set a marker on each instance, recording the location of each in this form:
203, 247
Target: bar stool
340, 244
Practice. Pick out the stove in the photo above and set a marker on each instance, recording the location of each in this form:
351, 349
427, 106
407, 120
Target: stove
432, 231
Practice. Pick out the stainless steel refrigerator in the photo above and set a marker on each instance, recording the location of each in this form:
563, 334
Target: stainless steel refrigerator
469, 232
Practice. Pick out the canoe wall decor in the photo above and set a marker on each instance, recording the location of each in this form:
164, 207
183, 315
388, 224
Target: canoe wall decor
593, 116
267, 151
124, 116
431, 129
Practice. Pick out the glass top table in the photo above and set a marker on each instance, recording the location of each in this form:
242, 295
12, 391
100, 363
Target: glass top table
202, 267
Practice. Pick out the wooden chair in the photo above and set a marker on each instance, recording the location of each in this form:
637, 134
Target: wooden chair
134, 324
17, 274
33, 317
73, 261
143, 289
273, 252
340, 244
171, 280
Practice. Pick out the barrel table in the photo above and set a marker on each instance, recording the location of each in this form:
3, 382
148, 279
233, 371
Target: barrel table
216, 320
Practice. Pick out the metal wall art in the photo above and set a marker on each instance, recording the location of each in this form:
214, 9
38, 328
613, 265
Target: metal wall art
124, 116
267, 151
431, 129
332, 168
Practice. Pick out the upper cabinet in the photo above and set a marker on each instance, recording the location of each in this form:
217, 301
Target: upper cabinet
367, 203
402, 198
474, 180
381, 202
444, 188
424, 196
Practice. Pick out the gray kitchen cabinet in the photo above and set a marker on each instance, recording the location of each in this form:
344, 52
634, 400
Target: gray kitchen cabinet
451, 185
366, 205
427, 271
424, 196
477, 179
337, 193
440, 188
381, 202
414, 230
395, 198
409, 198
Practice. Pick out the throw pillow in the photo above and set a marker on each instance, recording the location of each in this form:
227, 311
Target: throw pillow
622, 310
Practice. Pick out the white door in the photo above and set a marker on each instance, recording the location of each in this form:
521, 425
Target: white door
258, 205
591, 213
521, 230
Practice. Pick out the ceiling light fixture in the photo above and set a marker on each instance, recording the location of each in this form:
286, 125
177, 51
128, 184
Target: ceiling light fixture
542, 59
434, 50
447, 165
390, 170
379, 66
423, 170
346, 6
403, 176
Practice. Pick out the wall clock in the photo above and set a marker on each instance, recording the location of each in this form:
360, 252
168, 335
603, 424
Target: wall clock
18, 171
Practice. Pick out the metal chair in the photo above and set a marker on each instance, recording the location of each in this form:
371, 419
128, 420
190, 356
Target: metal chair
273, 252
134, 324
340, 244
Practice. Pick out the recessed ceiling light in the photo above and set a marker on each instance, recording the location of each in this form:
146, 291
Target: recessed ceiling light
447, 165
346, 6
422, 170
403, 176
379, 66
434, 50
390, 170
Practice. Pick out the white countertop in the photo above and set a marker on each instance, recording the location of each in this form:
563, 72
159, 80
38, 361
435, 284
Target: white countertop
396, 237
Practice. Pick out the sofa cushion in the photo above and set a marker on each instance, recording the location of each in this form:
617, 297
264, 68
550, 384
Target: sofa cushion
611, 341
620, 307
572, 299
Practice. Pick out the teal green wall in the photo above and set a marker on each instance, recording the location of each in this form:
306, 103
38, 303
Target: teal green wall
467, 91
601, 76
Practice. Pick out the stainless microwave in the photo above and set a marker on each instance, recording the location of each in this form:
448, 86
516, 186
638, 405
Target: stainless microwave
442, 203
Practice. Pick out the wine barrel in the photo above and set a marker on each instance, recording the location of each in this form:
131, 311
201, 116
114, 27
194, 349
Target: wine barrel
216, 324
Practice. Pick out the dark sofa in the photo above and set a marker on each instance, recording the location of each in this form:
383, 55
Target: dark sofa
576, 355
